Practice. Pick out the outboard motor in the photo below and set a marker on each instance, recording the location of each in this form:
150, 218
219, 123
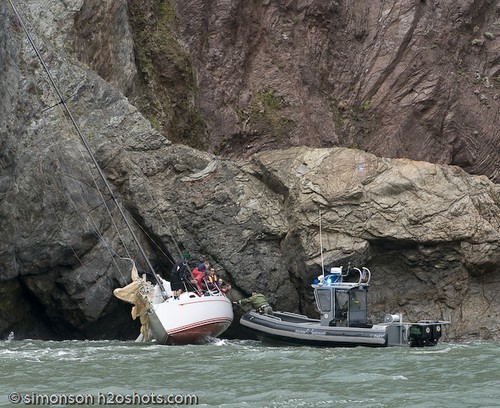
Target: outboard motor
424, 333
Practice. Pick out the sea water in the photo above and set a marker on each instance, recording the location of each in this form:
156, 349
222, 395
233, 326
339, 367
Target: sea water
244, 373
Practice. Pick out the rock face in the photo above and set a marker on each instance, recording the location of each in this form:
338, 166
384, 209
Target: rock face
429, 232
415, 79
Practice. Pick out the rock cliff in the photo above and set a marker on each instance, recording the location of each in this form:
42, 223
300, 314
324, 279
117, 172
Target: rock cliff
242, 79
414, 78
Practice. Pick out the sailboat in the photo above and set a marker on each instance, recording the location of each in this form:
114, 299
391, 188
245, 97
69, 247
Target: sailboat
193, 316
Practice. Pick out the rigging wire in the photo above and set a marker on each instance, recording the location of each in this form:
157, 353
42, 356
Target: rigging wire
89, 220
87, 147
48, 45
163, 222
321, 245
105, 203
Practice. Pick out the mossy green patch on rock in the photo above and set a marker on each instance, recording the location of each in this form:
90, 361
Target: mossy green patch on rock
266, 114
266, 109
166, 92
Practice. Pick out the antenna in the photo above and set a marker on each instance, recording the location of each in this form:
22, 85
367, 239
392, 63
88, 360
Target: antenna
321, 246
87, 146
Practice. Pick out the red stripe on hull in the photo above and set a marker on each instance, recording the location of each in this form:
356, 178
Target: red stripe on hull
186, 302
197, 333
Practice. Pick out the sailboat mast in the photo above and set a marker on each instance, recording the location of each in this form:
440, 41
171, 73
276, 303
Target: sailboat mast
87, 147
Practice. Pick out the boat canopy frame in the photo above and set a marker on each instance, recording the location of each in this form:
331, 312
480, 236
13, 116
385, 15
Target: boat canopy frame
340, 302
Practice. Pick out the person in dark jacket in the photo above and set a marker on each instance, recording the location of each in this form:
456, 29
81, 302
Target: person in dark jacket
180, 275
258, 301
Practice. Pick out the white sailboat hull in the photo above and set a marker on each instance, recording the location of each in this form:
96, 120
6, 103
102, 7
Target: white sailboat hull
190, 319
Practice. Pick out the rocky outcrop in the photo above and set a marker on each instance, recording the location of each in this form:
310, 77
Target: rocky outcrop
429, 233
415, 79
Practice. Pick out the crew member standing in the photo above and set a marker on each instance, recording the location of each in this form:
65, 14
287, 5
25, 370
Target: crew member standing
180, 274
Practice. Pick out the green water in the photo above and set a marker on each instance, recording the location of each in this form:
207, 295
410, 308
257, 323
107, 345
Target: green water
230, 373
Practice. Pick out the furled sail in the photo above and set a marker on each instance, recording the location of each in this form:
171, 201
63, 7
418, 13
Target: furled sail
136, 293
